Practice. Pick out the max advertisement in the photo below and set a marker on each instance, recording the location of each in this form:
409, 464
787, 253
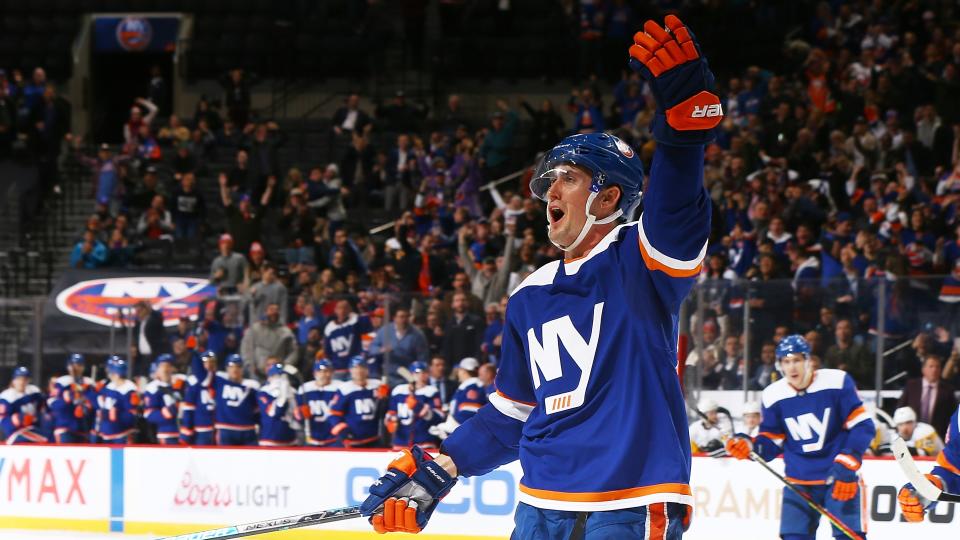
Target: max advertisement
149, 490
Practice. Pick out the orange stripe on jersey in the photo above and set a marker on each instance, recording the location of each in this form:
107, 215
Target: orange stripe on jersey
603, 496
772, 436
654, 264
806, 482
942, 461
856, 412
504, 396
658, 521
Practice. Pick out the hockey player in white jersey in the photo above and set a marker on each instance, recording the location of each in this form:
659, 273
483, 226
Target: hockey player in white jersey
920, 437
588, 396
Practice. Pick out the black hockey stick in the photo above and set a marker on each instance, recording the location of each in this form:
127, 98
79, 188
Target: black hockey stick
924, 487
834, 520
272, 525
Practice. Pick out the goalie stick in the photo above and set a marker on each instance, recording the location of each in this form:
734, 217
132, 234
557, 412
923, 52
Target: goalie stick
272, 525
924, 487
834, 520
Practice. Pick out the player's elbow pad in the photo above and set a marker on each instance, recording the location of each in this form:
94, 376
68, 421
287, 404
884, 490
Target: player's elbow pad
483, 443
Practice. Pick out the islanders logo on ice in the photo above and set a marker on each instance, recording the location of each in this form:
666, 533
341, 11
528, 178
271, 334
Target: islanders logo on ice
99, 300
134, 33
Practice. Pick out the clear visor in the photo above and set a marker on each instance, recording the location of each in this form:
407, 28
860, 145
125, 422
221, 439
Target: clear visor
544, 177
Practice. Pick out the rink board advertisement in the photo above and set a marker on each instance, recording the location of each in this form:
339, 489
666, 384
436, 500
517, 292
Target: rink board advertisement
163, 491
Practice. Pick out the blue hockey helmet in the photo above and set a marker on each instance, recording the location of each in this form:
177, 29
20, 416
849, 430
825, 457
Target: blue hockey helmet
234, 360
794, 344
76, 358
117, 366
275, 369
164, 358
358, 361
208, 356
322, 364
21, 371
609, 160
417, 367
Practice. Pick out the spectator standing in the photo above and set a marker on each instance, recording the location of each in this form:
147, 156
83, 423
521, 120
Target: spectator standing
489, 283
350, 118
848, 355
268, 338
268, 291
343, 337
497, 144
931, 396
399, 344
151, 337
189, 209
89, 252
463, 335
244, 222
228, 269
236, 86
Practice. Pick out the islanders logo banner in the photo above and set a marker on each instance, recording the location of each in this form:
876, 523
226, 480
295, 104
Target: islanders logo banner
100, 301
134, 34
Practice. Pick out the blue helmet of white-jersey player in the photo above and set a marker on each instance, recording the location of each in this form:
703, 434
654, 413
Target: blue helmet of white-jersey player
322, 364
208, 356
21, 371
609, 160
357, 361
276, 369
794, 344
76, 358
117, 366
418, 367
234, 360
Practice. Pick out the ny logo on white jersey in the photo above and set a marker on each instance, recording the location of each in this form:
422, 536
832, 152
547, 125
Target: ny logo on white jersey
341, 344
807, 426
545, 357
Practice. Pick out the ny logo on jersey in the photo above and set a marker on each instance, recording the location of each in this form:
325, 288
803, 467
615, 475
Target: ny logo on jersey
404, 413
341, 344
234, 395
107, 402
365, 407
807, 426
319, 409
707, 111
545, 357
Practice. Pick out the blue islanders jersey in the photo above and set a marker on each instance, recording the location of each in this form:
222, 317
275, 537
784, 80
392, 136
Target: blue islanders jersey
118, 406
20, 413
161, 406
197, 408
342, 341
413, 425
588, 395
353, 413
276, 415
235, 403
467, 400
73, 404
314, 402
810, 427
948, 462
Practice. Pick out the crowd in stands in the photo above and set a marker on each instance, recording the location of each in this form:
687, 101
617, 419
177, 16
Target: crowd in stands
834, 178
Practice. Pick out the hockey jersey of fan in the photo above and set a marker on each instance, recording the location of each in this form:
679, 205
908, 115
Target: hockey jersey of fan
588, 395
948, 462
314, 403
812, 426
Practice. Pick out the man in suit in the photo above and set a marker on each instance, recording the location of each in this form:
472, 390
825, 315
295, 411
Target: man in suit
440, 379
150, 339
464, 332
931, 397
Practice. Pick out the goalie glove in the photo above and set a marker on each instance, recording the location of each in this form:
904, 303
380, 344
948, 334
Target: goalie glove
680, 80
912, 505
404, 499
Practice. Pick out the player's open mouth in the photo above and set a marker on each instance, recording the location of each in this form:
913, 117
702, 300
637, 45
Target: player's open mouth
556, 214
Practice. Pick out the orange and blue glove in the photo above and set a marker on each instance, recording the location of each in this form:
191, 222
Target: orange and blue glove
404, 499
681, 82
739, 446
912, 505
844, 474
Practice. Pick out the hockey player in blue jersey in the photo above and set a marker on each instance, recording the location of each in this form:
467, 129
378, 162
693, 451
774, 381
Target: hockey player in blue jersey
817, 421
353, 411
413, 410
74, 398
197, 408
161, 400
20, 407
945, 475
467, 400
277, 404
118, 405
235, 402
313, 405
588, 396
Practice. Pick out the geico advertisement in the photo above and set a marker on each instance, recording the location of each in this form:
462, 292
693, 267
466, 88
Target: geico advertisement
229, 486
51, 481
